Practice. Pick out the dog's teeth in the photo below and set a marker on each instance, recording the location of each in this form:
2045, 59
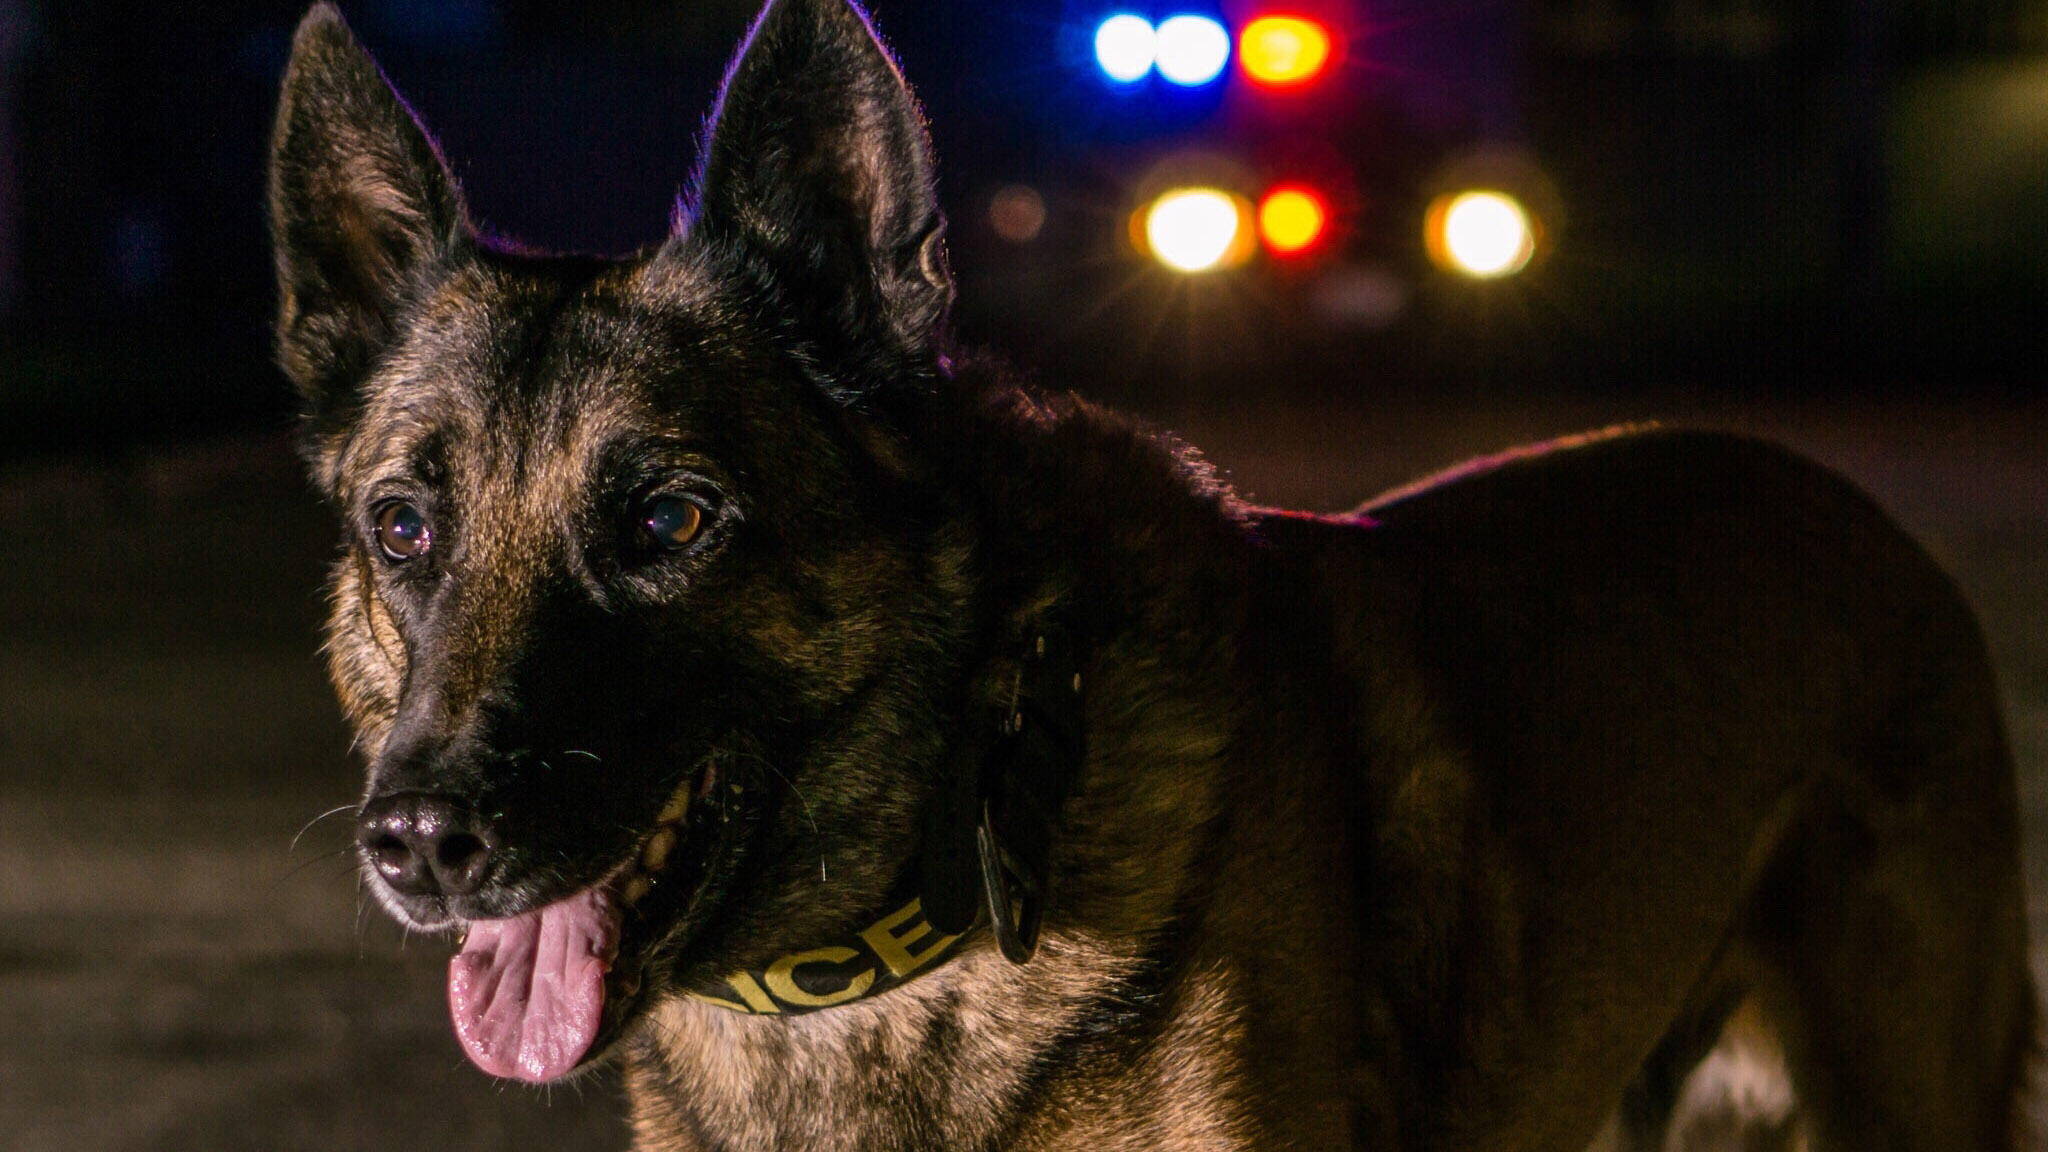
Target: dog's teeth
678, 806
656, 853
636, 887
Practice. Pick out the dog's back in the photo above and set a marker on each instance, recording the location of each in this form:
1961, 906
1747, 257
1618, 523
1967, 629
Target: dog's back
1675, 720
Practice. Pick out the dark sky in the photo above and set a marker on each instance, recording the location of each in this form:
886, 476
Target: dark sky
1730, 176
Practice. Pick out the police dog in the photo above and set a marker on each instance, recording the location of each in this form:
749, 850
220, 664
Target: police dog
866, 752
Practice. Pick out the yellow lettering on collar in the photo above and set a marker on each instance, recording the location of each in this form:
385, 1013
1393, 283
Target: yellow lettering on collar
781, 978
894, 947
750, 990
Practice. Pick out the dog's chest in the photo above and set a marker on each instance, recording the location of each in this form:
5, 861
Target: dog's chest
924, 1068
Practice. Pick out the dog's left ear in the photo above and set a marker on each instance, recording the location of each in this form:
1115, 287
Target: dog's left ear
815, 188
364, 216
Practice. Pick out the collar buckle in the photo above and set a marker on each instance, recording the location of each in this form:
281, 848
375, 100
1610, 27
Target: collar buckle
1015, 921
991, 825
1027, 778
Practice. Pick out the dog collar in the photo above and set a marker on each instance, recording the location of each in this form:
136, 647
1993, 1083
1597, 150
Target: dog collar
989, 833
899, 944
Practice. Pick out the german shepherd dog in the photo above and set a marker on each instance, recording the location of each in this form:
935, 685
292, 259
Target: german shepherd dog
868, 752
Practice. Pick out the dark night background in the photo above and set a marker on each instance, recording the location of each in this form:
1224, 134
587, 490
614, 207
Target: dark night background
1823, 221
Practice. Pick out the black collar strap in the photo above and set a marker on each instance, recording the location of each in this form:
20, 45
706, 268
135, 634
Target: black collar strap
989, 832
1026, 781
988, 840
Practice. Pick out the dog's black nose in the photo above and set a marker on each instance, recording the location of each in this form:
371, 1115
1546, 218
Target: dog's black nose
426, 844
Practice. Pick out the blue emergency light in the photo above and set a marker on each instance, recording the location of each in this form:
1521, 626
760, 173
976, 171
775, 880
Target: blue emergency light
1189, 50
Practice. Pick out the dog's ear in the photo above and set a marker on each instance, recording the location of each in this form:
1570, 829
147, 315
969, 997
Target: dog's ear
815, 187
364, 214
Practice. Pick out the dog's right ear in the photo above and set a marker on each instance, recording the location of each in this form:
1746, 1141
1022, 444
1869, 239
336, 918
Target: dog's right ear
364, 216
816, 188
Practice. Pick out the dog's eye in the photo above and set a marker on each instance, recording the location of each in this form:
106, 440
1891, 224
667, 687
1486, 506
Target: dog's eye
671, 522
402, 531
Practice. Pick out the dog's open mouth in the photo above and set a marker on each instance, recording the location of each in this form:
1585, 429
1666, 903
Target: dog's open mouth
529, 993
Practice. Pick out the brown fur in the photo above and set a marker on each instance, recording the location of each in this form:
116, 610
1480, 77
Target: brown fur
1463, 821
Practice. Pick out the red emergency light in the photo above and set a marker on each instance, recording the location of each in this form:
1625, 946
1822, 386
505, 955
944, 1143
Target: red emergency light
1281, 51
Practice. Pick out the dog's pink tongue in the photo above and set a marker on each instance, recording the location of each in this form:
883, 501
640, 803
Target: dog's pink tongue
527, 993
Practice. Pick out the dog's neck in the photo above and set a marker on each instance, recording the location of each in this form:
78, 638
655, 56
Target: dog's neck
990, 828
962, 1043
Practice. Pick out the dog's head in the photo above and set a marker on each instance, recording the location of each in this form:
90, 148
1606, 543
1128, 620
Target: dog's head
644, 607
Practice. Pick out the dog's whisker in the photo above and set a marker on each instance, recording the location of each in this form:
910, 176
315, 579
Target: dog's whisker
362, 916
327, 857
764, 762
308, 826
810, 817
